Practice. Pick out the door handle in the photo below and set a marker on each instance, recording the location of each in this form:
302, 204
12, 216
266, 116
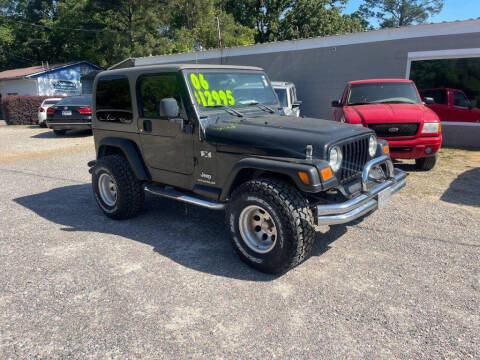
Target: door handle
147, 125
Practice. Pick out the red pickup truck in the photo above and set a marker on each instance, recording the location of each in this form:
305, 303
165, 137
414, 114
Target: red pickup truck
394, 110
452, 105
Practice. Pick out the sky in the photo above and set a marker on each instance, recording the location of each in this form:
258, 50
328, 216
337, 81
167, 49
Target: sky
453, 10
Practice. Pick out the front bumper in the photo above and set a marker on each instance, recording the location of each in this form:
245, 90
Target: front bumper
420, 147
368, 200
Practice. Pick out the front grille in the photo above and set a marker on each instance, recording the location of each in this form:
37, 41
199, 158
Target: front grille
395, 130
355, 156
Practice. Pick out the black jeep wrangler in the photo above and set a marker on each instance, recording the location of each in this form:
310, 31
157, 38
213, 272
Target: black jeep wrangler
213, 136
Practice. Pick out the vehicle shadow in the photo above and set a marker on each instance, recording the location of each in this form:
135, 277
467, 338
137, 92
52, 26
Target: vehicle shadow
191, 236
49, 134
464, 190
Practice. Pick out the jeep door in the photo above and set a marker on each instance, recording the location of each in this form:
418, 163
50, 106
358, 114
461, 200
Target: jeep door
165, 145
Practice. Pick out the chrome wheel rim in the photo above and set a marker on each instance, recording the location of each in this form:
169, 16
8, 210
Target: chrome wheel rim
107, 189
258, 229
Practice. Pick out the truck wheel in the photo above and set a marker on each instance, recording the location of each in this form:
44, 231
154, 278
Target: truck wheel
117, 191
271, 225
59, 132
426, 164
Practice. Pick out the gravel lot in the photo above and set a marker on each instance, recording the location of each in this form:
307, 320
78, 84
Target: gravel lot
402, 284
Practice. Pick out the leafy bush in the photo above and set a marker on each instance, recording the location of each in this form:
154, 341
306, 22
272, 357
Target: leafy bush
21, 110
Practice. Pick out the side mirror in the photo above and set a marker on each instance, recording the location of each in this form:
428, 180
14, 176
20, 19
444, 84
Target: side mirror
428, 100
169, 108
297, 104
336, 104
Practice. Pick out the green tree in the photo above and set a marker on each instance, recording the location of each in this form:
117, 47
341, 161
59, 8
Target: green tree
275, 20
309, 18
262, 15
393, 13
194, 27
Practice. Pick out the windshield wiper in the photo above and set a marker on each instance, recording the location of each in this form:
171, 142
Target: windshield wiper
261, 106
266, 108
229, 110
360, 103
396, 102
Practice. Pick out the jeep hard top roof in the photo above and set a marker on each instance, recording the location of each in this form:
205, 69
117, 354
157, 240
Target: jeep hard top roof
177, 67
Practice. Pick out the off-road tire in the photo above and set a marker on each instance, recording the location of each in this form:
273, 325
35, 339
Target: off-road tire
292, 216
130, 192
426, 164
43, 124
59, 132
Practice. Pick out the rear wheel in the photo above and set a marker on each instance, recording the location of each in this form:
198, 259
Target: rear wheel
59, 132
43, 124
426, 164
117, 191
271, 225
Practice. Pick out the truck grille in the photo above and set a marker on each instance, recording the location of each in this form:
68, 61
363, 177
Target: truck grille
395, 130
355, 156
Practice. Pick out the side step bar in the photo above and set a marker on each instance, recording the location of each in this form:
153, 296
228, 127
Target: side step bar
176, 195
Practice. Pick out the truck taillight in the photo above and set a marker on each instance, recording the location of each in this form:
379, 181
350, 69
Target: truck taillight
51, 111
85, 111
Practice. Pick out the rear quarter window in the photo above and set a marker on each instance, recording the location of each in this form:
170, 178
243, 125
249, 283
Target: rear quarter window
113, 99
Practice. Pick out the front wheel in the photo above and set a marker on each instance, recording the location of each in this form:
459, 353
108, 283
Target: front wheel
426, 164
117, 191
271, 225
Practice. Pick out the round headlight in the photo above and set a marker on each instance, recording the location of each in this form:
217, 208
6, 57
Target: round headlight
336, 158
372, 146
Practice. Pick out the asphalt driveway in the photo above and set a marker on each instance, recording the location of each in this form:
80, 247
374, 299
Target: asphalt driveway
403, 283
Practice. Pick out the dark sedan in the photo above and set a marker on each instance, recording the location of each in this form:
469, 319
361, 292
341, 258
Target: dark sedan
70, 113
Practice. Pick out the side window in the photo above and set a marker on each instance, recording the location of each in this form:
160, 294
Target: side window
153, 88
113, 99
460, 100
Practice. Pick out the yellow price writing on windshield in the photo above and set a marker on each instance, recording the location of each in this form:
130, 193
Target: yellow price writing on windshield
207, 97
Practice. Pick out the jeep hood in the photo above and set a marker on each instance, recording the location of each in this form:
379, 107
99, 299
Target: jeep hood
389, 113
279, 136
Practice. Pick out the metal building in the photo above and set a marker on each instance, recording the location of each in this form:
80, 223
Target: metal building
320, 67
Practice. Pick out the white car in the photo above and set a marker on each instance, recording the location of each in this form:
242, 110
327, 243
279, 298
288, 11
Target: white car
42, 110
287, 94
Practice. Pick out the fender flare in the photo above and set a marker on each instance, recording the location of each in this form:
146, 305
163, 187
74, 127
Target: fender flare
129, 149
289, 169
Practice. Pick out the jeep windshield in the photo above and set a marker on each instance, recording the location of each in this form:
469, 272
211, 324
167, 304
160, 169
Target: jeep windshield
383, 93
229, 90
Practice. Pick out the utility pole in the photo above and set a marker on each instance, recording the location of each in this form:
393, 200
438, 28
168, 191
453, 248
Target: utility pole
219, 32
